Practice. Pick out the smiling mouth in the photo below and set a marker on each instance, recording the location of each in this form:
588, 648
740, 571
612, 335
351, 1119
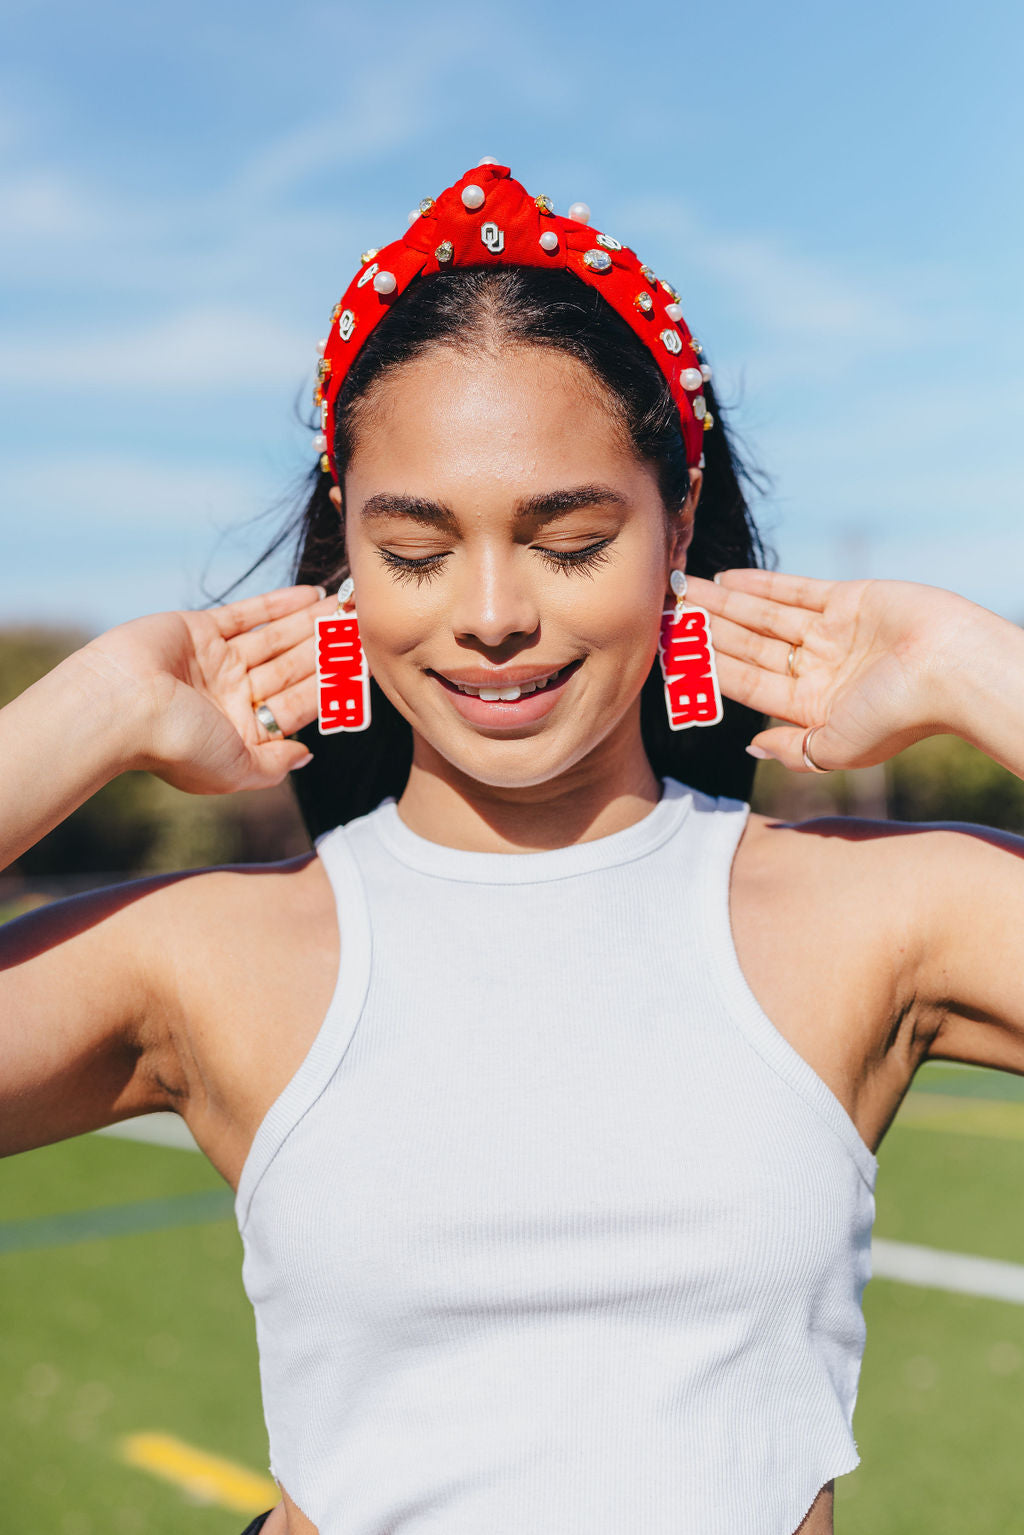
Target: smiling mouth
509, 694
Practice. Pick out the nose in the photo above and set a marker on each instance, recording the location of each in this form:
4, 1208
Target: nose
493, 601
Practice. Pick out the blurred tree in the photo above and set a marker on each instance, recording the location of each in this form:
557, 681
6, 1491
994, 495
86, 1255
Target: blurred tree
940, 779
945, 779
138, 824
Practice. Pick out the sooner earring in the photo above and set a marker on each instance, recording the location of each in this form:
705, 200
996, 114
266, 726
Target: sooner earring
342, 678
687, 657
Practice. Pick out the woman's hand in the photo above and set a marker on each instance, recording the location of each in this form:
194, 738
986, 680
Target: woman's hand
868, 665
189, 680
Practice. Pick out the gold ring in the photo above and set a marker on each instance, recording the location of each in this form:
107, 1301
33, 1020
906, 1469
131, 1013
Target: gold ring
791, 658
807, 751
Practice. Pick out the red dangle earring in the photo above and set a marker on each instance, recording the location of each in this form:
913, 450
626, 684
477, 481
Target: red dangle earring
687, 656
342, 677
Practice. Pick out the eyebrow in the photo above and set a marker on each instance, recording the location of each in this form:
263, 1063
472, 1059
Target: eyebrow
544, 507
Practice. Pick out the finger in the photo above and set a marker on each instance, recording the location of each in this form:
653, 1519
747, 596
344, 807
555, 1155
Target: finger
785, 744
291, 666
767, 692
272, 762
260, 645
238, 617
293, 707
742, 644
760, 614
796, 591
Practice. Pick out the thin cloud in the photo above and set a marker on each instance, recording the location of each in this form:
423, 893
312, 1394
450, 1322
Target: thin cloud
804, 317
43, 205
200, 350
111, 493
128, 536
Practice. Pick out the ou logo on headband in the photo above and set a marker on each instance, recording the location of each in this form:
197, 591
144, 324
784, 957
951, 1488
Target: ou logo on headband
493, 238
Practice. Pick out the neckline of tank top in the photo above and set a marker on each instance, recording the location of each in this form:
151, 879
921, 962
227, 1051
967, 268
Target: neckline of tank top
619, 847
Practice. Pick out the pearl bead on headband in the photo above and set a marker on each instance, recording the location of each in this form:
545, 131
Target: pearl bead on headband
489, 219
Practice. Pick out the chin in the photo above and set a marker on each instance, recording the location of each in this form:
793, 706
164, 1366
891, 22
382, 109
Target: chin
522, 762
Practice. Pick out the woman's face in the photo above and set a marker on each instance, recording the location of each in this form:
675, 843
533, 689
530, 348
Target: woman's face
502, 534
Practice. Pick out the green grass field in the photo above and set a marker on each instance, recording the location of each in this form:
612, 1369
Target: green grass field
145, 1328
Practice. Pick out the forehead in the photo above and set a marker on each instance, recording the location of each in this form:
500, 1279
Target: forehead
515, 417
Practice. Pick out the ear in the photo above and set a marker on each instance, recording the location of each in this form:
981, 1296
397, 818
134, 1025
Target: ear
335, 495
682, 523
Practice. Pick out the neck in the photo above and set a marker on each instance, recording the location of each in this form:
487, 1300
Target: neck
611, 788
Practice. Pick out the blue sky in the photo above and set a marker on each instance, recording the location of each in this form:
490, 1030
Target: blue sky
185, 191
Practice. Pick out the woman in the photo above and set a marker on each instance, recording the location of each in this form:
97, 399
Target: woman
550, 1093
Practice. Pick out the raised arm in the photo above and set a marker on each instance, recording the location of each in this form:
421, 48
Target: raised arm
880, 664
82, 985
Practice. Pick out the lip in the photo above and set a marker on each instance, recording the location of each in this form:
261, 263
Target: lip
500, 677
504, 714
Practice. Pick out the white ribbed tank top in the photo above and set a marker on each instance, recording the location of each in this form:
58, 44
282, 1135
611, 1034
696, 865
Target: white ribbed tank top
552, 1232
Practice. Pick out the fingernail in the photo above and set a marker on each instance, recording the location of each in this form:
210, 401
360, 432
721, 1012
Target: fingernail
322, 591
302, 762
717, 579
757, 751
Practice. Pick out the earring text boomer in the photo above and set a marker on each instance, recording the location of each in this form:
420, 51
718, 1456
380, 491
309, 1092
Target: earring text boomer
687, 656
342, 676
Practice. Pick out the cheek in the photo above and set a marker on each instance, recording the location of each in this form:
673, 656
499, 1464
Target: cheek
620, 611
396, 618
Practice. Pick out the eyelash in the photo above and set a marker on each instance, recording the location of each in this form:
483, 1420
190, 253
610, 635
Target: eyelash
567, 561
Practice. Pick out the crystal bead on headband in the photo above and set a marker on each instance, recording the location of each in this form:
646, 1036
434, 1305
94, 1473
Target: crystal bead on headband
489, 219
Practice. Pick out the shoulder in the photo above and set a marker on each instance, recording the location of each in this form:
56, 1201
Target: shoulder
229, 951
901, 888
853, 846
258, 919
244, 898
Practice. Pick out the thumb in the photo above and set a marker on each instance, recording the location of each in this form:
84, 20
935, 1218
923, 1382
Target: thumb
784, 743
273, 761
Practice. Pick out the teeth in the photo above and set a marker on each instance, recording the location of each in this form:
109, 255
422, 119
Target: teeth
505, 695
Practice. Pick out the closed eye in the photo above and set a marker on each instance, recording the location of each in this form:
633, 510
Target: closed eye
569, 560
419, 570
425, 567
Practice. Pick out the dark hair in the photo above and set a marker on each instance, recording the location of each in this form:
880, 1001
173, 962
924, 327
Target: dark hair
525, 306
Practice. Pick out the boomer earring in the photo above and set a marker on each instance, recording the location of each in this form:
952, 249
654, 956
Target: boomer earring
687, 656
342, 678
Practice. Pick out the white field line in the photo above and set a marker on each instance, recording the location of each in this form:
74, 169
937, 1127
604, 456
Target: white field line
938, 1270
160, 1129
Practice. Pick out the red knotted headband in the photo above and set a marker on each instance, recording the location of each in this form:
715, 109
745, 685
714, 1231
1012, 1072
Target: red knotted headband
488, 219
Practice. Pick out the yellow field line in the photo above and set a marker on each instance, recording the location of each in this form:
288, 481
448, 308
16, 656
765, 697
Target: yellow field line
204, 1477
997, 1118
